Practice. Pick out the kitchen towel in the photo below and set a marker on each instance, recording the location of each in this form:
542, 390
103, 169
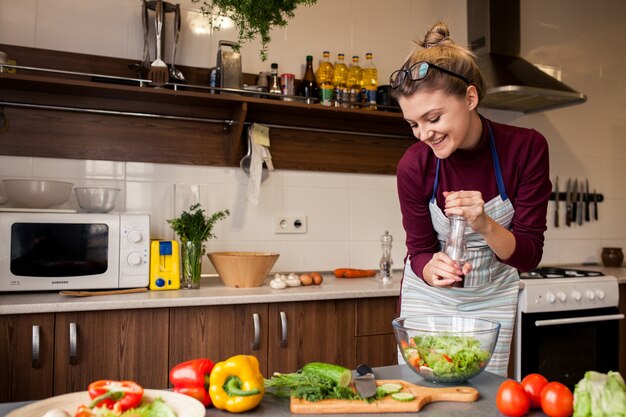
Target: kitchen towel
259, 141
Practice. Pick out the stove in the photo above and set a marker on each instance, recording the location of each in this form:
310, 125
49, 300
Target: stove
562, 289
570, 311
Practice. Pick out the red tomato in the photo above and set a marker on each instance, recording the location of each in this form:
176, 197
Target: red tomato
533, 384
557, 400
511, 399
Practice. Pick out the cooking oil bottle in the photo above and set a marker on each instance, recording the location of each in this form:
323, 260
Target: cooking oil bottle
355, 81
340, 80
370, 82
324, 77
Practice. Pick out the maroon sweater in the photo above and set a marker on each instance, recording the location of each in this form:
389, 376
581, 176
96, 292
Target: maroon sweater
523, 155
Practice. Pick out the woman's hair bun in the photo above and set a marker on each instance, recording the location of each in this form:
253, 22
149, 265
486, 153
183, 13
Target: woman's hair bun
436, 35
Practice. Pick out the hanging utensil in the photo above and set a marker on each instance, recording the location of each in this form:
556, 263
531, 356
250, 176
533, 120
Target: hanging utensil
175, 73
581, 205
556, 202
595, 204
568, 203
587, 202
574, 202
158, 68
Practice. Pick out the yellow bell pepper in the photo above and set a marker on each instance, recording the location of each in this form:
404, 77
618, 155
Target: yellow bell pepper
236, 384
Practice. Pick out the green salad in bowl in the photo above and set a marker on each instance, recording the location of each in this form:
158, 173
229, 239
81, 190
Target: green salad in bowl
446, 349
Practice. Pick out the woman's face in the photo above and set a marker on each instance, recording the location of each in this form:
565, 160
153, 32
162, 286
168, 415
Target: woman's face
440, 120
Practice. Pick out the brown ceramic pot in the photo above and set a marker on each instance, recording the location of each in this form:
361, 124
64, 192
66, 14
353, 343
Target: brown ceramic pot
612, 257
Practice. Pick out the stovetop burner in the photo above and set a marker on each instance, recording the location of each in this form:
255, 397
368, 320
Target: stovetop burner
549, 272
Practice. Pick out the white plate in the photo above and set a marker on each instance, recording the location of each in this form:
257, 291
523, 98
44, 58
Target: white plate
183, 405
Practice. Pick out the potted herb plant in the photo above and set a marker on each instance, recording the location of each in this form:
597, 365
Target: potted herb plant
253, 18
193, 228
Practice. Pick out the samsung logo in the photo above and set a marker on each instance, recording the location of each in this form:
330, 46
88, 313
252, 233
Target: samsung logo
60, 282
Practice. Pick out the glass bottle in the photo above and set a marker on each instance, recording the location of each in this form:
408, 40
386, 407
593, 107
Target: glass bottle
325, 79
340, 79
455, 246
355, 81
274, 85
370, 82
386, 263
261, 82
308, 86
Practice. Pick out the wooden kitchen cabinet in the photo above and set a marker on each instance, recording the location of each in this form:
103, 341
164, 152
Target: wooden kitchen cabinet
24, 373
375, 338
313, 331
116, 344
218, 332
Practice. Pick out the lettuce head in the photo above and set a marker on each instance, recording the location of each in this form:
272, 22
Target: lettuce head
600, 395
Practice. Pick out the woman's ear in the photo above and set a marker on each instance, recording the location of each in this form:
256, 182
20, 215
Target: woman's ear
471, 97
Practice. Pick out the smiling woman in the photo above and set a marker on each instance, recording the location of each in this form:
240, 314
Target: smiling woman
494, 176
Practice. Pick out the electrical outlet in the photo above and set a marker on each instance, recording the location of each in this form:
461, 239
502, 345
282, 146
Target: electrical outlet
290, 223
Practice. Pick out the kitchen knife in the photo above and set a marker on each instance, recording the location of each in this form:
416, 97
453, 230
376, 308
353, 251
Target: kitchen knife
365, 383
574, 202
568, 202
581, 205
587, 202
556, 202
595, 205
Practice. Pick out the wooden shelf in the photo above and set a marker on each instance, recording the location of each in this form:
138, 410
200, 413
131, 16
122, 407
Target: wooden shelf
61, 116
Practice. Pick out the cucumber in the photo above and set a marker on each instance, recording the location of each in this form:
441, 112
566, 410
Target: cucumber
403, 396
391, 388
336, 373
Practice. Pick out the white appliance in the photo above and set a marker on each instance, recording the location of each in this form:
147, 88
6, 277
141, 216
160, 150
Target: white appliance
41, 251
567, 323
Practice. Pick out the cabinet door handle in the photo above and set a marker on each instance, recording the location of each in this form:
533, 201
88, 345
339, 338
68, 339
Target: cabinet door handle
36, 347
257, 331
73, 340
283, 329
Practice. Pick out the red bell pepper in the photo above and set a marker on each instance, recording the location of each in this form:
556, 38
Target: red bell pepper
116, 395
192, 378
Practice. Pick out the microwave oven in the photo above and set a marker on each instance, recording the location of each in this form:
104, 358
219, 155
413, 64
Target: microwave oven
44, 251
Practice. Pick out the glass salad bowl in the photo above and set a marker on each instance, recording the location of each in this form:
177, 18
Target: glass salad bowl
446, 349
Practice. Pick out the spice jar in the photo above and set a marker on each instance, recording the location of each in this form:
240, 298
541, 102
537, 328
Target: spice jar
612, 257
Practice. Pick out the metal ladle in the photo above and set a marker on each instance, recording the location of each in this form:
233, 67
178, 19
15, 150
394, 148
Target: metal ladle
175, 73
244, 164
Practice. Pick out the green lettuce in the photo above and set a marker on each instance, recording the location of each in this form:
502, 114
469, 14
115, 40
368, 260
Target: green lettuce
600, 395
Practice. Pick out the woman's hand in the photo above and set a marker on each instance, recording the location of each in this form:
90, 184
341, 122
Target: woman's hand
442, 271
468, 204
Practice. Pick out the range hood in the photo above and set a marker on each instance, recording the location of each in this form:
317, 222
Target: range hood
512, 82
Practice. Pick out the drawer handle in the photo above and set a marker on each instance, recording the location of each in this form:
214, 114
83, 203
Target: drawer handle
36, 347
257, 331
283, 329
73, 339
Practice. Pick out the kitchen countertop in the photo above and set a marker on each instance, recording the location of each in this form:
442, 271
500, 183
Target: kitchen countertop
486, 383
620, 273
212, 292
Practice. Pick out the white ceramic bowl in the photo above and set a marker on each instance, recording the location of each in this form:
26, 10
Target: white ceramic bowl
37, 194
96, 199
446, 349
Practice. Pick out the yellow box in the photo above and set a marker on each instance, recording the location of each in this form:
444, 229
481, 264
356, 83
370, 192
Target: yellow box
164, 265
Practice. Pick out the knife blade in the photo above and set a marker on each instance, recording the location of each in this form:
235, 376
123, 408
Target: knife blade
587, 202
595, 204
581, 205
365, 383
568, 202
574, 202
556, 202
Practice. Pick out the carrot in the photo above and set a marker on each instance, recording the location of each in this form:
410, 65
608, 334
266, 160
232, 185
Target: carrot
354, 273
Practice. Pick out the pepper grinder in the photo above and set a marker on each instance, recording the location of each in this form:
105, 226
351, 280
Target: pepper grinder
386, 262
455, 246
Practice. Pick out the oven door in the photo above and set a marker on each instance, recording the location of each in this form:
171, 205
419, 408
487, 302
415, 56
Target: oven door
563, 345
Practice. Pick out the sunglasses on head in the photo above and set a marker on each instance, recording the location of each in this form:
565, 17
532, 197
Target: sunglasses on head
418, 71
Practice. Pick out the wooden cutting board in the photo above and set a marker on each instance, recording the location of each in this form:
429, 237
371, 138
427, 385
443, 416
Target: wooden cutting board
423, 396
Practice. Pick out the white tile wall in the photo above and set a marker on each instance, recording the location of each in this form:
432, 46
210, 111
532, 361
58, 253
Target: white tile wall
347, 213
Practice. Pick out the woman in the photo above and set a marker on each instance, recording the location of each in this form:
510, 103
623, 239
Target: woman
493, 175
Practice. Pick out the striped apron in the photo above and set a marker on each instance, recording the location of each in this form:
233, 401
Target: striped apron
491, 288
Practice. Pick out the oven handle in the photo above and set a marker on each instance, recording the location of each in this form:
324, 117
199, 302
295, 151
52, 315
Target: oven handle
555, 322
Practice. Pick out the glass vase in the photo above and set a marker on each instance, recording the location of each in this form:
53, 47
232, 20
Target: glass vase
192, 253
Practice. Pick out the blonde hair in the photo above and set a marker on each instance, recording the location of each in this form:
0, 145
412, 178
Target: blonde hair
439, 49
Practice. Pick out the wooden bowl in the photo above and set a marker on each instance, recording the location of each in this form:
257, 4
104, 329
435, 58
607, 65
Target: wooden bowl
243, 269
